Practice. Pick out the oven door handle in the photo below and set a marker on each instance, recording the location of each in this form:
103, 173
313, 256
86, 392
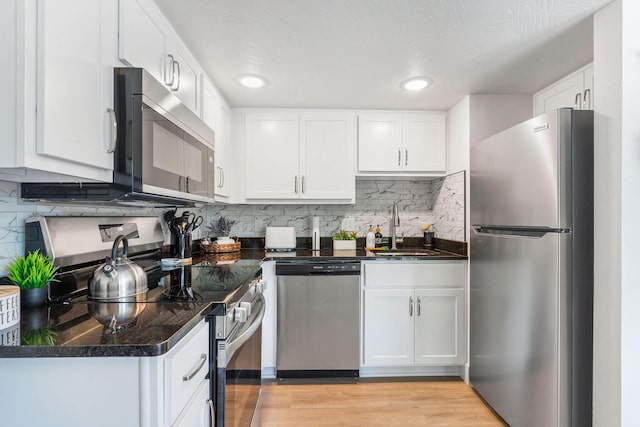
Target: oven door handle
226, 351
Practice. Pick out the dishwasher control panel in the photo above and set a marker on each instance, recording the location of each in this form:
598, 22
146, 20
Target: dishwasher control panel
308, 268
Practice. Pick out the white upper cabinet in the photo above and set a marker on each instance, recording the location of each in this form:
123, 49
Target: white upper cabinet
402, 143
326, 156
142, 42
148, 41
300, 156
272, 156
380, 142
217, 115
61, 123
573, 91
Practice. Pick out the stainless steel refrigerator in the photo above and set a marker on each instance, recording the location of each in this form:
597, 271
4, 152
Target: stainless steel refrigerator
531, 258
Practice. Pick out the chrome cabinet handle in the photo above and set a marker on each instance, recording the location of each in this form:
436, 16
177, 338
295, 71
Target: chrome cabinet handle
578, 101
212, 411
219, 185
187, 184
418, 307
223, 177
295, 184
302, 184
406, 156
190, 375
410, 306
114, 130
586, 100
179, 183
399, 156
171, 61
177, 88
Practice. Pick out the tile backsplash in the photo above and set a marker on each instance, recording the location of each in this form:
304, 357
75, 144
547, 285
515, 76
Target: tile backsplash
438, 201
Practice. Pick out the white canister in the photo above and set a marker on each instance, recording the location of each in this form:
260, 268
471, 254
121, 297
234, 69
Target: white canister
9, 306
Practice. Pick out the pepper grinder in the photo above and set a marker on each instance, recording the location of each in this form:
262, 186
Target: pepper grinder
315, 234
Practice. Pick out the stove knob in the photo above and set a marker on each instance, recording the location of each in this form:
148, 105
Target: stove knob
261, 286
240, 314
247, 306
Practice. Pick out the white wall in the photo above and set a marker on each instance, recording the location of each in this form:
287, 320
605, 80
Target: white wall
617, 210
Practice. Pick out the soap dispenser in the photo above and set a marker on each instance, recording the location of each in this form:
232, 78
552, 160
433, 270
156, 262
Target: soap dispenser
371, 238
378, 237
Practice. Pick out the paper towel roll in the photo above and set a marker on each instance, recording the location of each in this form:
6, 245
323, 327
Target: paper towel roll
315, 234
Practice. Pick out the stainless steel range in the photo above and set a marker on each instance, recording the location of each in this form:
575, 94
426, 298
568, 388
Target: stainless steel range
227, 293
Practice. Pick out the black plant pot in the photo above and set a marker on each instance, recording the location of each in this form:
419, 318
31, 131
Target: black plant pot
37, 297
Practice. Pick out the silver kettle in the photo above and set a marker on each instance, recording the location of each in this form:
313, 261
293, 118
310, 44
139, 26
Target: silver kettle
118, 279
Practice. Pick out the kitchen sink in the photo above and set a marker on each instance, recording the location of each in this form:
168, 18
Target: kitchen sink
406, 252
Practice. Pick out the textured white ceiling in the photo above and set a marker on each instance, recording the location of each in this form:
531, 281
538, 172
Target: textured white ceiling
355, 53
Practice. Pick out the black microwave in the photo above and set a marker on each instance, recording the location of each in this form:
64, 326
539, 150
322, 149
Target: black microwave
163, 155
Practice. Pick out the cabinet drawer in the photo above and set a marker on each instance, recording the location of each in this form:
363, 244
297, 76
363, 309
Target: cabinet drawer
185, 368
428, 274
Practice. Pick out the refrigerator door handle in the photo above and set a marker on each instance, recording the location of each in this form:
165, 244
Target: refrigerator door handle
518, 231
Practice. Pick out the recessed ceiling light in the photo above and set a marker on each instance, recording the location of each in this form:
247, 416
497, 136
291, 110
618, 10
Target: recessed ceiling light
251, 81
415, 83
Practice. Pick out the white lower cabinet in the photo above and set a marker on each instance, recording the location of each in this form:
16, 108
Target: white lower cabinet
414, 314
389, 328
167, 390
199, 411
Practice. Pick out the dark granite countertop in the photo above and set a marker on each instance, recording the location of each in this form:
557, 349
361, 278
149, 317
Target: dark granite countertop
74, 330
79, 329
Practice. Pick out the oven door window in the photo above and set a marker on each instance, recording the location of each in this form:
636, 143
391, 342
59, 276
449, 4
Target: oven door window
172, 158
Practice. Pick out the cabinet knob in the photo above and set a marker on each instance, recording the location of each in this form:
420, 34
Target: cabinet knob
240, 314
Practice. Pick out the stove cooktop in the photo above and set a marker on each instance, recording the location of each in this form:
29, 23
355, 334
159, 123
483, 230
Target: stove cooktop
206, 280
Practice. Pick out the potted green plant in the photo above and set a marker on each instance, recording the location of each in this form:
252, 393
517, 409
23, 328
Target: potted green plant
32, 274
344, 240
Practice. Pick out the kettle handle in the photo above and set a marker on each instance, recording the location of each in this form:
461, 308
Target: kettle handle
116, 243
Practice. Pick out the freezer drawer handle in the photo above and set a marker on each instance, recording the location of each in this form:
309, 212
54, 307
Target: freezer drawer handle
535, 232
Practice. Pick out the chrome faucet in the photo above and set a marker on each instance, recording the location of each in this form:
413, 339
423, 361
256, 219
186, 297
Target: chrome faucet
395, 223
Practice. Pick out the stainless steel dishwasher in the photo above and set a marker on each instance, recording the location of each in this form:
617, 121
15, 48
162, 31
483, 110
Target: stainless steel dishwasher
318, 332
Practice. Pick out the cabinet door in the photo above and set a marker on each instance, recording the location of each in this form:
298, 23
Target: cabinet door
142, 42
327, 143
380, 142
75, 80
388, 327
562, 94
272, 156
423, 138
186, 76
223, 152
439, 327
199, 410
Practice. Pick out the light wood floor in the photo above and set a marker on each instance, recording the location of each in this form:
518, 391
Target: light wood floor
373, 403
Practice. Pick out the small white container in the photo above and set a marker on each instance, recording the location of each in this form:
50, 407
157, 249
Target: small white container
9, 306
344, 245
